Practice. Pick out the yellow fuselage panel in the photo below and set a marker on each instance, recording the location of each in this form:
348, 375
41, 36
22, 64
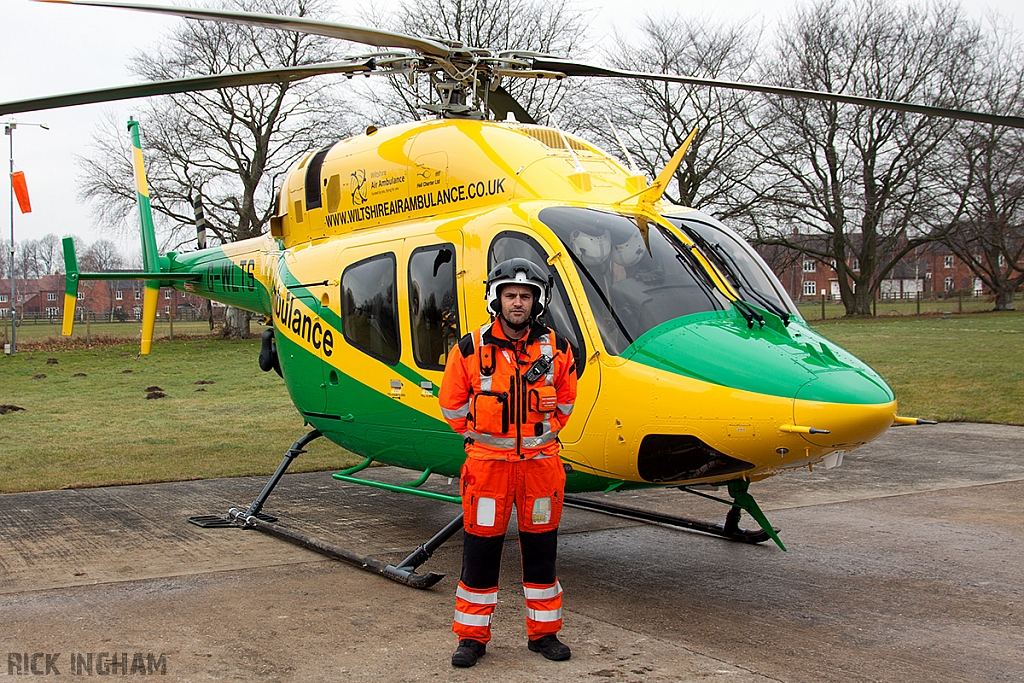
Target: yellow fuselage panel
422, 170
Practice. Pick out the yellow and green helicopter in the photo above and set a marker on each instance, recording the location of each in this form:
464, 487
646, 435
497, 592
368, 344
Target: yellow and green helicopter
695, 368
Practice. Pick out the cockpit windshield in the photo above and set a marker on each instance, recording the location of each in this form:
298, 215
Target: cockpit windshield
636, 273
746, 270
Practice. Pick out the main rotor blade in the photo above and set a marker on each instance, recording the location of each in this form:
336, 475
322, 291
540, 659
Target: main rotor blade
180, 85
501, 103
570, 68
355, 34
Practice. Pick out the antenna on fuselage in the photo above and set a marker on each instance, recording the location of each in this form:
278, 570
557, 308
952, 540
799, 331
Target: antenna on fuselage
622, 145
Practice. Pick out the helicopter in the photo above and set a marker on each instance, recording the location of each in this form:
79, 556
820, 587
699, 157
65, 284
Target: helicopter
695, 369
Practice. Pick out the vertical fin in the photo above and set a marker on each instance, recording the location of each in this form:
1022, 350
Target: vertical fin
150, 258
149, 254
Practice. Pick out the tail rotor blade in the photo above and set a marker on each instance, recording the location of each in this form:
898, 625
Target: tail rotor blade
70, 286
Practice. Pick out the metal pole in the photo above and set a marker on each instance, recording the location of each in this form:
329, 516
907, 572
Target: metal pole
9, 129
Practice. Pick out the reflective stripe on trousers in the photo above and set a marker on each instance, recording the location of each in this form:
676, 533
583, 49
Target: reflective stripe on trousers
473, 611
543, 609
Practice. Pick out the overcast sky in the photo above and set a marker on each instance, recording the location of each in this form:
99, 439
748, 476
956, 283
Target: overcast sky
50, 48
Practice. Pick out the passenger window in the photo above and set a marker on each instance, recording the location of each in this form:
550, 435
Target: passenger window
433, 309
559, 315
369, 307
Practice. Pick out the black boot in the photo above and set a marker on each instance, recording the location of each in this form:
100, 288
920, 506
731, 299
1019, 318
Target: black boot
551, 647
468, 652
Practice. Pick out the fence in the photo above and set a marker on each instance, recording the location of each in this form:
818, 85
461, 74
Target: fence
184, 314
950, 302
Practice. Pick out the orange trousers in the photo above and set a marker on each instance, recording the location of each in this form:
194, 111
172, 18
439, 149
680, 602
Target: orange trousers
490, 488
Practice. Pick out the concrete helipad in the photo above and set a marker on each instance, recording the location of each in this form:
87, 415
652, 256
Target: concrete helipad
905, 564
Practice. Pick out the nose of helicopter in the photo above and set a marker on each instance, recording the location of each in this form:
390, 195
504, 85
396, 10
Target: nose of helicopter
830, 389
855, 407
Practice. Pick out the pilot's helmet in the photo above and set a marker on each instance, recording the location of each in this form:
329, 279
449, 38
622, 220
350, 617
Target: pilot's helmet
628, 249
519, 271
592, 245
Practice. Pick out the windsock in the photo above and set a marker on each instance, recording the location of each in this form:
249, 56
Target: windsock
21, 191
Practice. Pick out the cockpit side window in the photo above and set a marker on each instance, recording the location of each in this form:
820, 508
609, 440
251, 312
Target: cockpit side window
746, 270
559, 315
636, 273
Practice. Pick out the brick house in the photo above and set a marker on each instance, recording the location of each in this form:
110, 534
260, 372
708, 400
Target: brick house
932, 269
104, 299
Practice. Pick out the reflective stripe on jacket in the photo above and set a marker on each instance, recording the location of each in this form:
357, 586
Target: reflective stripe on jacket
487, 398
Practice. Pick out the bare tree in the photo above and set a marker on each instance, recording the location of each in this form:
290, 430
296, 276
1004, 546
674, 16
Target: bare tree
26, 260
556, 27
655, 118
102, 256
50, 255
225, 146
36, 258
982, 220
848, 185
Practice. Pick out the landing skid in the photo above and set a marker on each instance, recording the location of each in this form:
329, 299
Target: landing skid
252, 518
404, 572
730, 530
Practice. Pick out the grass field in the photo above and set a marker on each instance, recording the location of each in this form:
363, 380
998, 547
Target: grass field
100, 428
960, 367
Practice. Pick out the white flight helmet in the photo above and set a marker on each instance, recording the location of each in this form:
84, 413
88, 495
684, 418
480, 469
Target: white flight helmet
519, 271
591, 249
629, 252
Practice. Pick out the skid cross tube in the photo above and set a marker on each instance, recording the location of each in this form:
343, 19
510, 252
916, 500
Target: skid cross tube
254, 509
297, 449
404, 572
741, 499
730, 530
673, 521
423, 553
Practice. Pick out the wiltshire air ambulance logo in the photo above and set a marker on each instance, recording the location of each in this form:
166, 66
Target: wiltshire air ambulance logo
357, 185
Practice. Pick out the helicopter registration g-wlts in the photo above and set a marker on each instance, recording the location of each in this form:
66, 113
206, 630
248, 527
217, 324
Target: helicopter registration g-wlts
695, 368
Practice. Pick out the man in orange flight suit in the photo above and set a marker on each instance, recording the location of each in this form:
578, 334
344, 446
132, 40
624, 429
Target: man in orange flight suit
509, 388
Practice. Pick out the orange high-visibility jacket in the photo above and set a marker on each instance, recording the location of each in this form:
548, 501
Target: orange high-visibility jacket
487, 398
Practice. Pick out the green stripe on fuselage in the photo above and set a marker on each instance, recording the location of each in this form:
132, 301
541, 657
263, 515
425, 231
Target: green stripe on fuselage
719, 348
329, 317
366, 420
